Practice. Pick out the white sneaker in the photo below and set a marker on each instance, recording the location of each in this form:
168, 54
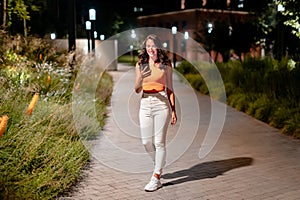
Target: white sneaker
153, 185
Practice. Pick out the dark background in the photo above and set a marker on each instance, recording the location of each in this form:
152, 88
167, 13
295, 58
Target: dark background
114, 16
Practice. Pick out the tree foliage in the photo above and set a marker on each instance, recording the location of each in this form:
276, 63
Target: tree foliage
21, 10
291, 14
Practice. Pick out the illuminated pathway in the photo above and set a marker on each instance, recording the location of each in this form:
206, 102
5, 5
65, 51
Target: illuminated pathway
251, 160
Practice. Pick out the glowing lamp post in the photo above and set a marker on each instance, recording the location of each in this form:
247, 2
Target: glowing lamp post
92, 18
174, 32
280, 37
53, 36
133, 36
102, 37
88, 33
184, 42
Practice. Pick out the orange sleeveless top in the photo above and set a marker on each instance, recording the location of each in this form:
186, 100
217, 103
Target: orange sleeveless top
157, 80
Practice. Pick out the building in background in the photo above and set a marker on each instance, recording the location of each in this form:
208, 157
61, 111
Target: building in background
200, 24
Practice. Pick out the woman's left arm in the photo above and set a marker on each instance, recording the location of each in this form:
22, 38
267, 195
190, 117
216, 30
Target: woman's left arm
171, 94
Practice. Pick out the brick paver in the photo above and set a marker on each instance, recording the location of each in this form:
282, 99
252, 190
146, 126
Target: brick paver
251, 160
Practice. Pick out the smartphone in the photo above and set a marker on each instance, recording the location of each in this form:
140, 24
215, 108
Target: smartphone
145, 66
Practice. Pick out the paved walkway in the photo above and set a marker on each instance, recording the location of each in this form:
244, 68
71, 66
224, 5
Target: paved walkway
251, 160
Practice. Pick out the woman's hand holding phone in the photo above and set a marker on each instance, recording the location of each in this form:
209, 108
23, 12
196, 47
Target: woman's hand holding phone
145, 71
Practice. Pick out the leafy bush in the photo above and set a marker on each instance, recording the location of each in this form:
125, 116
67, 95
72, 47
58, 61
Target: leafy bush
41, 154
4, 41
195, 80
266, 89
186, 67
292, 125
280, 116
239, 101
261, 108
203, 77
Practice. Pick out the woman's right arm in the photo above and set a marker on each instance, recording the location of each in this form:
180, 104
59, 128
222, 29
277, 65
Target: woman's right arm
138, 79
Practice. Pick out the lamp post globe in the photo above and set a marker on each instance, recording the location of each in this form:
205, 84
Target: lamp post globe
174, 32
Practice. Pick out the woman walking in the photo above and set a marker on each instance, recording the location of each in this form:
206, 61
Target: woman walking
153, 78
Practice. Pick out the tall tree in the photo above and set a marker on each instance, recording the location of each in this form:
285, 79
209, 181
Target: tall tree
22, 10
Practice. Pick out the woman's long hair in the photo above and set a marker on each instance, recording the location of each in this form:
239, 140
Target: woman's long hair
162, 56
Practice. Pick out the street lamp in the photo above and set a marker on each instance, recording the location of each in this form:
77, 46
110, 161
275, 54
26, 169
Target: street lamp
133, 36
53, 36
186, 35
92, 18
280, 42
174, 32
210, 27
102, 37
92, 14
88, 31
184, 42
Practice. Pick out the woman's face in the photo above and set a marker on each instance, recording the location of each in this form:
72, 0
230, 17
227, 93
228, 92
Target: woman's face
151, 48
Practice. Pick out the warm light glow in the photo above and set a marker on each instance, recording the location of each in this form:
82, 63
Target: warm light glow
228, 3
182, 4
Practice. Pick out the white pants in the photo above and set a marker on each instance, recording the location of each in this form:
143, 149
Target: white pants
154, 118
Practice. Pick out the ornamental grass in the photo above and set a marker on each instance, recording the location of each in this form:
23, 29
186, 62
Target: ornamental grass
41, 152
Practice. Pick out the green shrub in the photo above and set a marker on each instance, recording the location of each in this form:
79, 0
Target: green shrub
292, 126
186, 67
195, 80
241, 101
266, 89
262, 108
235, 75
128, 59
41, 154
203, 77
280, 116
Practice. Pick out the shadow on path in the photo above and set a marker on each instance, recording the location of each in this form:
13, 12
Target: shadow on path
206, 170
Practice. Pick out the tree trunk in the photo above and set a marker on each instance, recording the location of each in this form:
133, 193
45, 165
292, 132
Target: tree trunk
72, 25
4, 14
25, 28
